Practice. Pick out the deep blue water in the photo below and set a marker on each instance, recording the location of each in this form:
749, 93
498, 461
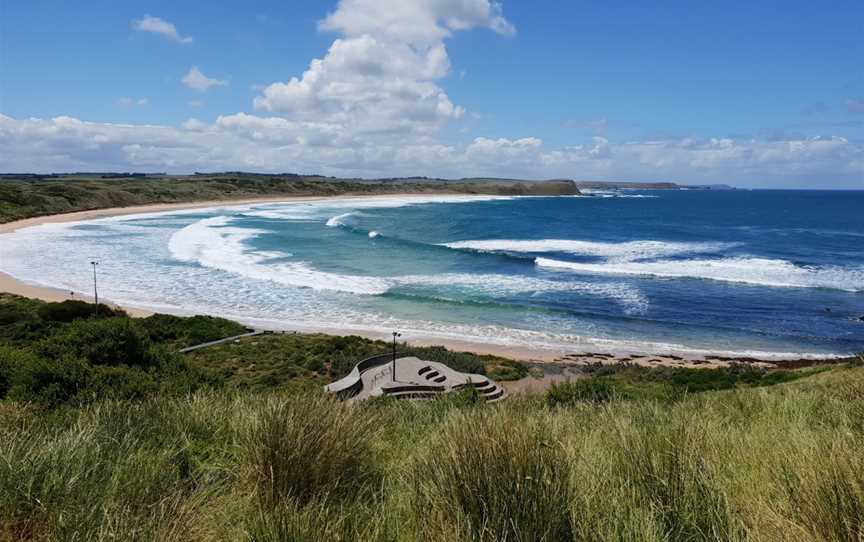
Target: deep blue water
733, 271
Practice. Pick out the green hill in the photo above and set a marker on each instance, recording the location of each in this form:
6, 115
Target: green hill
25, 196
107, 433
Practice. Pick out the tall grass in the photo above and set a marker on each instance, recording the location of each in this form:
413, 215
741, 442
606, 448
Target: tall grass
773, 464
493, 475
310, 447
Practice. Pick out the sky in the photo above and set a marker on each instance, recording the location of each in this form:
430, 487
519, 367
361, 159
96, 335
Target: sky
753, 94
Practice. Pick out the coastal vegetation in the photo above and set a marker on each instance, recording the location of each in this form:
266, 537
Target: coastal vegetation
25, 196
107, 432
57, 353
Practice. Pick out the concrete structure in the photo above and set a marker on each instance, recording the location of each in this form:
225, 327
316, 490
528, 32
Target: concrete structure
415, 379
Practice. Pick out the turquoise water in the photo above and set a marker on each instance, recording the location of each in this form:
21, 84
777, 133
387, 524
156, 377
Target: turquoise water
749, 272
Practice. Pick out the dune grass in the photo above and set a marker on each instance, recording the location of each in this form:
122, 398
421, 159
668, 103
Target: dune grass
764, 463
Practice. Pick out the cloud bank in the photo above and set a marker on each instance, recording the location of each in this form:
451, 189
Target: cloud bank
274, 144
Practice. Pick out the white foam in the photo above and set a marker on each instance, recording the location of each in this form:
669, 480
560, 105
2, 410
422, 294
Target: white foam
213, 244
324, 209
626, 251
374, 234
338, 220
759, 271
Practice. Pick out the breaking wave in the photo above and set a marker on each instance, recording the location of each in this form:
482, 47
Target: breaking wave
214, 244
338, 220
758, 271
626, 251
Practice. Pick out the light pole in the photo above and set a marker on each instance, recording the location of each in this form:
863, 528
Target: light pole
393, 371
94, 263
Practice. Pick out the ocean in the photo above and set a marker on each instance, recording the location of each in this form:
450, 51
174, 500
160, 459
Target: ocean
751, 273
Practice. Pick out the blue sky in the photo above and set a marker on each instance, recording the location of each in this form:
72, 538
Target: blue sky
755, 94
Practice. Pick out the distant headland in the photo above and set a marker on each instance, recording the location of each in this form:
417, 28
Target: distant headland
26, 195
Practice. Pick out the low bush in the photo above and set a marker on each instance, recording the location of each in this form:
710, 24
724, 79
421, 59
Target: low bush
181, 332
110, 341
464, 362
9, 359
506, 369
50, 382
73, 309
587, 390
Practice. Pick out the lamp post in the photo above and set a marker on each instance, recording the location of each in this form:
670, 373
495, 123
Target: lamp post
94, 263
393, 370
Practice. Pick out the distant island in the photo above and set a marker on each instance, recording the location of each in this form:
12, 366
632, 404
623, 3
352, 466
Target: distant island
26, 195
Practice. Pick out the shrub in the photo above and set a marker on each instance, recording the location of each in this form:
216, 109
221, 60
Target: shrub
184, 332
9, 359
464, 362
121, 383
588, 390
74, 309
506, 369
111, 341
50, 382
10, 314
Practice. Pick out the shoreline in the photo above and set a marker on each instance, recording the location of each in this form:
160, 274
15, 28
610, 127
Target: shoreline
566, 356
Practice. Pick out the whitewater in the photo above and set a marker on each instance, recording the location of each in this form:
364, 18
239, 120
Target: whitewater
749, 273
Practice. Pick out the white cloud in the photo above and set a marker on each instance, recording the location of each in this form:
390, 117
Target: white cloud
381, 77
194, 125
126, 101
160, 27
251, 142
415, 22
196, 80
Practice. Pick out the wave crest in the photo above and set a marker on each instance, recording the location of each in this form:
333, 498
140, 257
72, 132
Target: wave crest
214, 244
624, 251
758, 271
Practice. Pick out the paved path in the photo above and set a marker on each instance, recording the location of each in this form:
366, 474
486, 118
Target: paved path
225, 340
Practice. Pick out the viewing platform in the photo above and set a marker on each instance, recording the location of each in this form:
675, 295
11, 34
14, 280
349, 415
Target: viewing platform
415, 379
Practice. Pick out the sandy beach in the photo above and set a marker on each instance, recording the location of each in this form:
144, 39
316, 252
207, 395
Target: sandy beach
558, 358
12, 285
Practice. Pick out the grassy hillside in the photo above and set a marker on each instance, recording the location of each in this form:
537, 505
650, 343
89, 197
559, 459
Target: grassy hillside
106, 433
29, 196
778, 463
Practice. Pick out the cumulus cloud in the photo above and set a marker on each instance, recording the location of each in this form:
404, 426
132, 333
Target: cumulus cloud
415, 22
160, 27
381, 77
251, 142
196, 80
